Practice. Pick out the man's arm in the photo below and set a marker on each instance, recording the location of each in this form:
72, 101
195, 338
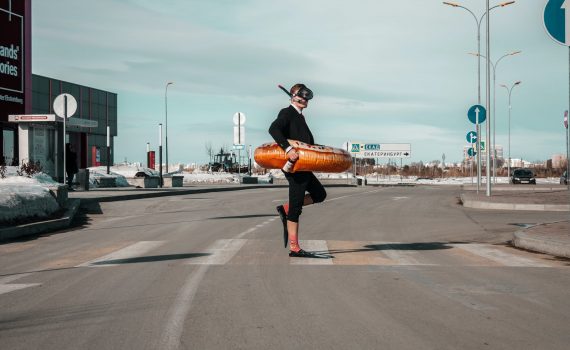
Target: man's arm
277, 131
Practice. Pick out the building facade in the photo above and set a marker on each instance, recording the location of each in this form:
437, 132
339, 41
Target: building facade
23, 93
96, 105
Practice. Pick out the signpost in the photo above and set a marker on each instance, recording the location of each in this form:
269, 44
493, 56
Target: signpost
239, 136
556, 21
477, 114
64, 106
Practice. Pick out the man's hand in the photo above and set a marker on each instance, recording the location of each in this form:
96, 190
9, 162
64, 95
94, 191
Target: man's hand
292, 155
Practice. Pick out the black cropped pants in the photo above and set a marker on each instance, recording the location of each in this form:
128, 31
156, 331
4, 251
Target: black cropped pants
299, 183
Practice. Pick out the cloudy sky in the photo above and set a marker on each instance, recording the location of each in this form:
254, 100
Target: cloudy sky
382, 71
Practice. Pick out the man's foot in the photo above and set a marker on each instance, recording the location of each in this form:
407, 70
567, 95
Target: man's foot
283, 216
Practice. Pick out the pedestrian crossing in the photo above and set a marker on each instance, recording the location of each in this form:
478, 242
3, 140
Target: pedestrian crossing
240, 251
256, 251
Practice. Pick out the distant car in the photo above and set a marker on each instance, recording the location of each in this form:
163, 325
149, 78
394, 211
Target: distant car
520, 176
564, 179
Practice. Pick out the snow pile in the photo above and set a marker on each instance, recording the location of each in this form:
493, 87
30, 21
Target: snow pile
23, 197
210, 178
119, 173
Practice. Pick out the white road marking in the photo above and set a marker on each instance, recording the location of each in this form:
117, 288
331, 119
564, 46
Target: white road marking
6, 287
499, 256
177, 314
132, 251
400, 257
398, 198
222, 251
317, 246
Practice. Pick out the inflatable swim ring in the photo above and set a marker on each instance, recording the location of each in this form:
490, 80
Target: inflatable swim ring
311, 157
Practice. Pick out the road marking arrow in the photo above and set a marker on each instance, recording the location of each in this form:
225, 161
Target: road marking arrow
566, 8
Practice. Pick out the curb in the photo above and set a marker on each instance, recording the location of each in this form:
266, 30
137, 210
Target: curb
478, 204
135, 196
42, 226
549, 246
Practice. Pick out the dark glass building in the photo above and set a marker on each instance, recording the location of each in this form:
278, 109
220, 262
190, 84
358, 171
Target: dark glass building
92, 105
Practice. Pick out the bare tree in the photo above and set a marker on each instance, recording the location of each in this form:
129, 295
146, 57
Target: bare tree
209, 150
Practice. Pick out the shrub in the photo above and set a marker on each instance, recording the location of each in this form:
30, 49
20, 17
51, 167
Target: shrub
29, 169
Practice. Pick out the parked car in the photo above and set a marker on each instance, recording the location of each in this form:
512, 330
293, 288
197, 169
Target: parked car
520, 176
564, 179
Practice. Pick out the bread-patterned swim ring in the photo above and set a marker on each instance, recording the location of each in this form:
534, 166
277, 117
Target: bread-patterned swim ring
311, 157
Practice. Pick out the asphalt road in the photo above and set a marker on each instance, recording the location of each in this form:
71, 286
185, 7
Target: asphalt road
412, 269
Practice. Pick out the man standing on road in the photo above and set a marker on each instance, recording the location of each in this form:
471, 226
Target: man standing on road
291, 124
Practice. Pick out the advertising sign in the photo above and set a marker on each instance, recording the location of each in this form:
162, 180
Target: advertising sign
12, 58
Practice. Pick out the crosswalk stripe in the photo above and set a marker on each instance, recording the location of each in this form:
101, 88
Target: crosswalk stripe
132, 251
221, 252
505, 259
316, 246
7, 287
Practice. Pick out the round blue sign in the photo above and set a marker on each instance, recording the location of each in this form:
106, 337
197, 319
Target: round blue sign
471, 137
471, 152
557, 21
477, 114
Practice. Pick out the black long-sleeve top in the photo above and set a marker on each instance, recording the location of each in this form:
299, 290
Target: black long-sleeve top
290, 124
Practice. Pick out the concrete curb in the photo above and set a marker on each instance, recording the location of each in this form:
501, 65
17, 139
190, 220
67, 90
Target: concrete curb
162, 193
554, 247
42, 226
478, 204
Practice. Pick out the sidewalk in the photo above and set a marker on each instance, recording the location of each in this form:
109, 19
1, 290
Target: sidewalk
541, 198
550, 238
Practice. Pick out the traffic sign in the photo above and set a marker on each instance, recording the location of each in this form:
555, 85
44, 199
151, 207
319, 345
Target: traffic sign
59, 105
556, 21
471, 137
471, 152
239, 119
239, 147
477, 114
381, 150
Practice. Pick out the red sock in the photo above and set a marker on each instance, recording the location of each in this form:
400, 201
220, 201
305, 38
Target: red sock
286, 207
294, 245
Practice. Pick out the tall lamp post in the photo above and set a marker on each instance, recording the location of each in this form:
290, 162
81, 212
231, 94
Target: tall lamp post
166, 120
160, 153
495, 65
478, 21
510, 90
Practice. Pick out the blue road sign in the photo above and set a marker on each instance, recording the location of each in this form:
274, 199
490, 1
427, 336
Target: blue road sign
557, 20
477, 113
471, 152
471, 137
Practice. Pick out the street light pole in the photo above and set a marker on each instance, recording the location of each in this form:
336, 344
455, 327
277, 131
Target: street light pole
160, 153
494, 66
478, 22
166, 120
510, 90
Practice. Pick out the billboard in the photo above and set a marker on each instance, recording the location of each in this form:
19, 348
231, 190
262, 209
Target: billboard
14, 57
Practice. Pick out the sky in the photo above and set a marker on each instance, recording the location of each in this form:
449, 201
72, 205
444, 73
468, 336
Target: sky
381, 71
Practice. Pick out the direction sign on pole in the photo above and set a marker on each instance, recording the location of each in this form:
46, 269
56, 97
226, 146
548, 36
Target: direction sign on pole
380, 150
477, 114
556, 21
471, 152
471, 137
